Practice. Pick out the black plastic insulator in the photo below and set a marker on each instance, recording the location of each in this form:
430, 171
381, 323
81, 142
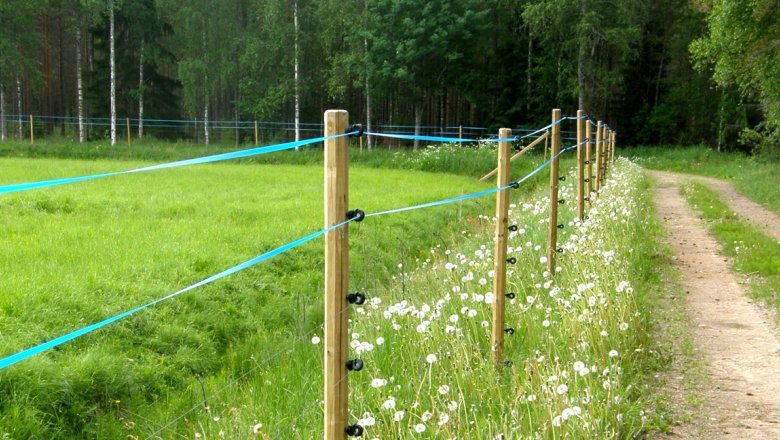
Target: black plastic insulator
356, 214
358, 298
562, 201
513, 228
355, 364
511, 260
559, 250
587, 199
510, 295
562, 178
514, 185
560, 226
354, 430
355, 129
587, 162
509, 330
508, 363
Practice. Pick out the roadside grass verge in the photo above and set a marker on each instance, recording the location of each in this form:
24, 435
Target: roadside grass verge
755, 255
753, 177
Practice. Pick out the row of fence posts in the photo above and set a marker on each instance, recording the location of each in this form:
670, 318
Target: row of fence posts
337, 299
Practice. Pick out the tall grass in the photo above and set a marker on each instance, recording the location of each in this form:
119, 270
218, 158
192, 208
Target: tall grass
578, 353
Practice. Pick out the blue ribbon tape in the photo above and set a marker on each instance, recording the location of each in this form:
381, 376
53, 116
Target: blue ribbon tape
16, 187
22, 355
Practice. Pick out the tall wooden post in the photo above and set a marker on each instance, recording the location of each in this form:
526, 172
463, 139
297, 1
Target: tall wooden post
257, 140
580, 164
599, 133
460, 135
589, 158
604, 149
499, 254
127, 124
336, 271
32, 130
552, 230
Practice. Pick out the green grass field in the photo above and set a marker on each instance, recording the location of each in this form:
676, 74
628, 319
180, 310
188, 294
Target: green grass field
226, 358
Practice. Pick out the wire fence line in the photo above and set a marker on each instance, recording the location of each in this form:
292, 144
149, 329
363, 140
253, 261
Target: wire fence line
243, 128
40, 348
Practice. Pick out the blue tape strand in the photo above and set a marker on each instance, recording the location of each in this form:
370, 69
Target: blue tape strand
16, 187
437, 138
40, 348
475, 194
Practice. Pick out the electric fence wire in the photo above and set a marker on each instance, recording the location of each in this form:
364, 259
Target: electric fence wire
10, 360
32, 351
16, 187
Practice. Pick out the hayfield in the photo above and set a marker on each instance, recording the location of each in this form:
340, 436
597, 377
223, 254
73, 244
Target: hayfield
242, 357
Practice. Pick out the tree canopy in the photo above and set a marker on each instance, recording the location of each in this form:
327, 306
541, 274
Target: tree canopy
667, 71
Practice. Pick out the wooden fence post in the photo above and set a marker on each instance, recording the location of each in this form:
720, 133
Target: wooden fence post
599, 133
589, 157
127, 124
336, 272
552, 230
499, 254
32, 131
257, 140
604, 150
460, 135
580, 164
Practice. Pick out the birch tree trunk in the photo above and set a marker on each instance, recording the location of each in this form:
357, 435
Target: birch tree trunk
80, 87
206, 122
297, 90
141, 94
369, 139
112, 61
19, 105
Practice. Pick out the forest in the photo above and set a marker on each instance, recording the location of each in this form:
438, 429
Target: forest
659, 72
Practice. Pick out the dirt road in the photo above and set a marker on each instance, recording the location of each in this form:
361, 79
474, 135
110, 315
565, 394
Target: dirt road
735, 338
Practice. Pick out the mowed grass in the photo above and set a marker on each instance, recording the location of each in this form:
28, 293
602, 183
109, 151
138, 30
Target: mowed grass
755, 178
755, 254
76, 254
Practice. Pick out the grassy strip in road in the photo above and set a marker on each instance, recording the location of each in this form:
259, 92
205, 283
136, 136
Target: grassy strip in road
754, 254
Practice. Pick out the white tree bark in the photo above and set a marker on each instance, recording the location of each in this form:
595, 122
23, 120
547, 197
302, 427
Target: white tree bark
112, 57
141, 94
369, 140
19, 105
80, 87
206, 122
297, 90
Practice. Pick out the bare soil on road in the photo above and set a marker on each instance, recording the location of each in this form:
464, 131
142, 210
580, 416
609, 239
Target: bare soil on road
735, 338
765, 220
